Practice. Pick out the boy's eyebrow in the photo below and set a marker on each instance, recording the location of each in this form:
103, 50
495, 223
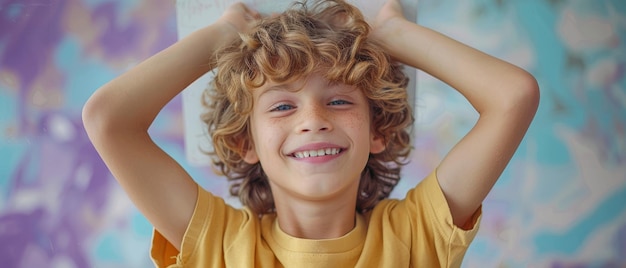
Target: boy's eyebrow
281, 87
290, 88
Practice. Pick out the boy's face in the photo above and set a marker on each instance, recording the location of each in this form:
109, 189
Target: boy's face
313, 138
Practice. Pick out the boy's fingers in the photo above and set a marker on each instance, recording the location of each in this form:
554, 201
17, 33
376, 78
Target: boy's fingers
250, 12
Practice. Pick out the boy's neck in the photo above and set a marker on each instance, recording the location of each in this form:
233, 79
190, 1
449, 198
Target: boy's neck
315, 220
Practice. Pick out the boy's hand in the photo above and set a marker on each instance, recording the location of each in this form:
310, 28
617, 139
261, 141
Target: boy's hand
383, 24
240, 17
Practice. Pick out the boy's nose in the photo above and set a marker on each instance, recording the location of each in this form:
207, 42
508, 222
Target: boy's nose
315, 118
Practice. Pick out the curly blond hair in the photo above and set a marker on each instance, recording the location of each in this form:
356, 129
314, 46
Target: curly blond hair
331, 36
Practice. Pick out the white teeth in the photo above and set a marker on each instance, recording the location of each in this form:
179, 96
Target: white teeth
315, 153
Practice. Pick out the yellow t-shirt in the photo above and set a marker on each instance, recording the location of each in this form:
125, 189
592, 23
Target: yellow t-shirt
414, 232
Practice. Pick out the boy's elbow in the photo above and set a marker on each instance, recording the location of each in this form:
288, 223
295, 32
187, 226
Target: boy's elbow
528, 92
521, 96
90, 115
97, 116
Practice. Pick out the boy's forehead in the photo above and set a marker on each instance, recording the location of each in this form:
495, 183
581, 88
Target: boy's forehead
293, 85
298, 83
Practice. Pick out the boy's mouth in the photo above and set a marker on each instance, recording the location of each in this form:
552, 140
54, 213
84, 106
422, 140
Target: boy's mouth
317, 153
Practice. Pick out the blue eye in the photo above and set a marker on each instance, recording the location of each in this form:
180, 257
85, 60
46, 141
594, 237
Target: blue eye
338, 102
282, 107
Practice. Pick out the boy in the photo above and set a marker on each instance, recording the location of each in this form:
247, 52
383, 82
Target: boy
308, 117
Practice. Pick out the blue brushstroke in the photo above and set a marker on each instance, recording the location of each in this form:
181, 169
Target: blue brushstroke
570, 241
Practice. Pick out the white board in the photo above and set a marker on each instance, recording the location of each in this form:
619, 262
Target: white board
195, 14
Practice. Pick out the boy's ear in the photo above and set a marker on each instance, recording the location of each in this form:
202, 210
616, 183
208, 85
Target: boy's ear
249, 155
377, 145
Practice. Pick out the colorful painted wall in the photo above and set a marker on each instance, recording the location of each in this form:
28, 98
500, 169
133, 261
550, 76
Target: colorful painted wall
560, 203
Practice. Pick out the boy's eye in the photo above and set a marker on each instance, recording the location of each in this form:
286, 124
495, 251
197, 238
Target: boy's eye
338, 102
282, 107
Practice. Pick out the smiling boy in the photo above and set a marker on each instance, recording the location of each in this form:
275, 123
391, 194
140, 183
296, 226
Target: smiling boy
292, 128
309, 120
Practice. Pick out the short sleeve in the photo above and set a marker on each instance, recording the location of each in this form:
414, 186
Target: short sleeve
433, 230
204, 237
163, 253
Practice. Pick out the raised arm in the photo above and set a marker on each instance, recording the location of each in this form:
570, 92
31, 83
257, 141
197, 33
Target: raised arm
505, 96
117, 117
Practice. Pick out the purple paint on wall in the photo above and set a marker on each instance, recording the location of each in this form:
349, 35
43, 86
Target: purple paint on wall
59, 196
31, 36
72, 186
117, 39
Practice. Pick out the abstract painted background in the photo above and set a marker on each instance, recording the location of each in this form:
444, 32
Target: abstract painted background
560, 203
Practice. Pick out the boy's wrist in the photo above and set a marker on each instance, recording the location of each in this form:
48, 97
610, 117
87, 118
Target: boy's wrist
226, 28
217, 34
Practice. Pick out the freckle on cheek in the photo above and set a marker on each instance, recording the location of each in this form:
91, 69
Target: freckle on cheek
358, 120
